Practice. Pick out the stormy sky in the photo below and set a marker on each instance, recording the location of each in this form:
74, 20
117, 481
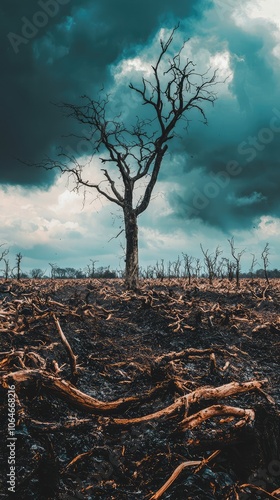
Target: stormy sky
217, 181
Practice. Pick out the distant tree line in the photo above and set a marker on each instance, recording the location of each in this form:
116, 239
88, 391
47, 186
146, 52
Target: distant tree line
89, 272
160, 270
212, 265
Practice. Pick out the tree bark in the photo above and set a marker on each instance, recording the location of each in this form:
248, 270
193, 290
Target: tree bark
131, 258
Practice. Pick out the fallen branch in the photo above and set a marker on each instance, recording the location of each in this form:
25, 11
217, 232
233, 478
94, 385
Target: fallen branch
67, 391
260, 490
71, 356
179, 469
174, 476
52, 427
181, 354
224, 390
79, 457
214, 411
21, 357
202, 393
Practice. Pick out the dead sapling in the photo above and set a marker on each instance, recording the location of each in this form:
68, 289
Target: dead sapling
265, 254
253, 265
237, 258
188, 268
210, 261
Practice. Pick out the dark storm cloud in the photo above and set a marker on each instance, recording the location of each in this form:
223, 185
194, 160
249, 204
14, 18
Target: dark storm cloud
243, 134
56, 50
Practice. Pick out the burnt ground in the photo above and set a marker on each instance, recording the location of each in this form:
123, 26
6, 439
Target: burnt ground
153, 346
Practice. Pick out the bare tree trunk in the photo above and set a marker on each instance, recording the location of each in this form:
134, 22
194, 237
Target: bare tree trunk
131, 258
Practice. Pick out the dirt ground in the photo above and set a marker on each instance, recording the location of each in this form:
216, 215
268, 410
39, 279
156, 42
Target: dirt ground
118, 392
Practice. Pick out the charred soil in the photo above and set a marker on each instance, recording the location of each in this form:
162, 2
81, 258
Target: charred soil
171, 391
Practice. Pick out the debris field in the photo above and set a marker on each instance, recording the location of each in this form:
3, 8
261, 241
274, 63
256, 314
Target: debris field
171, 391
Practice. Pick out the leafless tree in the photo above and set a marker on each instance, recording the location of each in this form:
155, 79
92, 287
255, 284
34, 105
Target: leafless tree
37, 273
253, 265
265, 254
176, 267
93, 262
3, 252
237, 258
220, 268
197, 267
188, 260
136, 152
54, 268
149, 272
7, 269
159, 269
230, 268
210, 261
18, 265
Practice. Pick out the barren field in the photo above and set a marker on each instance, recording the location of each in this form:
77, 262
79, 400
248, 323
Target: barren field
170, 392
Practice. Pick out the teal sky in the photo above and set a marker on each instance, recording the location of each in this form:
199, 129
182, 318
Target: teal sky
217, 181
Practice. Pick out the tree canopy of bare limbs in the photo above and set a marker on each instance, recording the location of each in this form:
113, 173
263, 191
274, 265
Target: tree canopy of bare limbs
133, 154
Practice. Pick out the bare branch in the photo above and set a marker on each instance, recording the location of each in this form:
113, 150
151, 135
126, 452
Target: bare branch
4, 252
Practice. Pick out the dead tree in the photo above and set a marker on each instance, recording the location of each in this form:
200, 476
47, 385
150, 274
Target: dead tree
253, 265
231, 267
220, 268
237, 257
159, 269
211, 262
18, 265
188, 260
3, 254
7, 268
134, 153
223, 267
265, 254
37, 273
54, 268
177, 265
91, 269
197, 267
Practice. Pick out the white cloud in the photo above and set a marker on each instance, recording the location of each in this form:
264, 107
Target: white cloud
57, 220
261, 17
264, 9
268, 227
128, 67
